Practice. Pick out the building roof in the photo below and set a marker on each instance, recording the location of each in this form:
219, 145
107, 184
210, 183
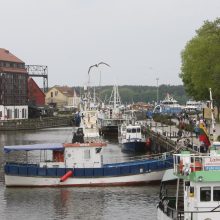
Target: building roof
5, 55
31, 81
65, 90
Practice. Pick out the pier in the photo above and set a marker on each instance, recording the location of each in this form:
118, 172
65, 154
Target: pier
165, 138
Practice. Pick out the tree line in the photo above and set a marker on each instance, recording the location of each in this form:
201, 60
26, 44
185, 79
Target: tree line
132, 94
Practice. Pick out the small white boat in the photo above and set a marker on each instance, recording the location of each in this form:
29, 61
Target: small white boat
193, 106
131, 138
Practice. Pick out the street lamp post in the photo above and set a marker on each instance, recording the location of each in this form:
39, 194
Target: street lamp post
157, 91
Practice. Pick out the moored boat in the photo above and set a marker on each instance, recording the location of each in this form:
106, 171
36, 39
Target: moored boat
168, 106
196, 179
80, 164
132, 140
111, 117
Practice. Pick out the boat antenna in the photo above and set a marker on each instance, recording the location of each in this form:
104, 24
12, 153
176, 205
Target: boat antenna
212, 115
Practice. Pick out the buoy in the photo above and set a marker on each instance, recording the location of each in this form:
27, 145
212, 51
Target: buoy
148, 142
66, 176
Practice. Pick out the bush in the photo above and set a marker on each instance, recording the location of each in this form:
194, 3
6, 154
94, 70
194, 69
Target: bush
165, 119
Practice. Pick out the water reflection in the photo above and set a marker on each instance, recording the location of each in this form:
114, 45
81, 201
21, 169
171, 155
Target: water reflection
81, 203
71, 203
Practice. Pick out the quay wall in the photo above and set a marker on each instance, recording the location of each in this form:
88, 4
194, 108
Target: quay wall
32, 124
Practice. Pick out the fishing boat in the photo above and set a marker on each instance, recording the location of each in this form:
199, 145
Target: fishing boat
79, 164
191, 190
111, 117
88, 117
131, 139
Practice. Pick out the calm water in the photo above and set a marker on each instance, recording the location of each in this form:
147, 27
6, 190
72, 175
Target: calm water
72, 203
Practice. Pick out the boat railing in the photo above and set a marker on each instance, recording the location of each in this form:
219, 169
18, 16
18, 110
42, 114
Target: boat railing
187, 163
172, 212
120, 159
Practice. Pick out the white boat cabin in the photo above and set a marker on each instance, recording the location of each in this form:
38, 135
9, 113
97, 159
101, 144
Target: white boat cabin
129, 133
201, 175
76, 155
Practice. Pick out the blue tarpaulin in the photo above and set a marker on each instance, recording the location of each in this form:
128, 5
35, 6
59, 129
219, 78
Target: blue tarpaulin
52, 146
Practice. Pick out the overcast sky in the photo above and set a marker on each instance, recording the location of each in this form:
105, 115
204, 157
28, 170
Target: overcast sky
140, 39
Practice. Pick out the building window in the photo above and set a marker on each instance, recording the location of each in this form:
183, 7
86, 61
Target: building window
56, 93
23, 113
51, 94
9, 113
0, 114
15, 113
205, 194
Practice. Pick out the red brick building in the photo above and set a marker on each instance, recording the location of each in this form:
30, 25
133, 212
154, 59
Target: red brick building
35, 94
13, 87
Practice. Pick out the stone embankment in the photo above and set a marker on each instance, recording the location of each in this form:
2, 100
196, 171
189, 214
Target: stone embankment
39, 123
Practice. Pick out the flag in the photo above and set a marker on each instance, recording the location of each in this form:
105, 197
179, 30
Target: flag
203, 134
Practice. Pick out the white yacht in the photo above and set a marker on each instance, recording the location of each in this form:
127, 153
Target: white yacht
168, 106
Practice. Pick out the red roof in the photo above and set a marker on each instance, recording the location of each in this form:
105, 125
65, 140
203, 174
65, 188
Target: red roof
5, 55
31, 81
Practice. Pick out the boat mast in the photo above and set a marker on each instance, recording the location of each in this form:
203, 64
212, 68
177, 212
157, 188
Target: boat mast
115, 97
212, 115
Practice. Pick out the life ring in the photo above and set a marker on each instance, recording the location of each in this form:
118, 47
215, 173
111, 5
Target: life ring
197, 166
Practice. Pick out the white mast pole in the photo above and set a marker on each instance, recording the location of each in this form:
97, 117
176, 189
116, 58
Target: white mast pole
212, 114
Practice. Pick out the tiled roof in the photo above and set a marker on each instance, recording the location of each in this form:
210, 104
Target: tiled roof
66, 90
5, 55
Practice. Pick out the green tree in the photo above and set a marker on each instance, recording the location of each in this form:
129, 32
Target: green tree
201, 63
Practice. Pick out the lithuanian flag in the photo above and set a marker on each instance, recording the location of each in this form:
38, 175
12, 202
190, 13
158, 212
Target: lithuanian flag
203, 134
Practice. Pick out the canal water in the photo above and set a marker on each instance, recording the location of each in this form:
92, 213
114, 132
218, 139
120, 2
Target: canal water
72, 202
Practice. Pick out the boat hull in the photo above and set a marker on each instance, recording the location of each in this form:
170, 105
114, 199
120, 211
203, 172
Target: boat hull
135, 146
138, 179
161, 215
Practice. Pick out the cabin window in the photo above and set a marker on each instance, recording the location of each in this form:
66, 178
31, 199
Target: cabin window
128, 130
138, 130
205, 194
86, 154
133, 130
216, 193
